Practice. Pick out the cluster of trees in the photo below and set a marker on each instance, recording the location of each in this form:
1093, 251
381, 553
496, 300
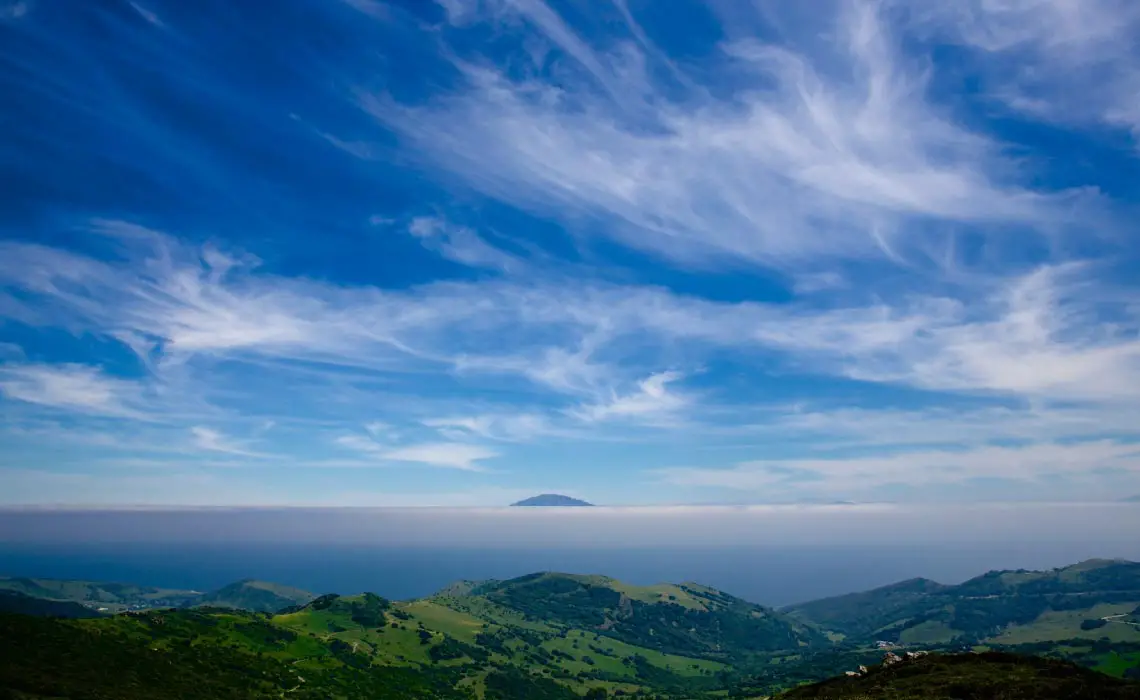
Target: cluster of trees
369, 610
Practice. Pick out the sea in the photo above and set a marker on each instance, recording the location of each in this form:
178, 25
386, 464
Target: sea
774, 556
770, 576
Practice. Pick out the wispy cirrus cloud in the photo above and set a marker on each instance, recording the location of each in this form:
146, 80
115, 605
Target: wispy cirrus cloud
148, 15
212, 440
460, 244
464, 456
801, 160
1062, 61
651, 401
1037, 335
503, 427
866, 476
72, 387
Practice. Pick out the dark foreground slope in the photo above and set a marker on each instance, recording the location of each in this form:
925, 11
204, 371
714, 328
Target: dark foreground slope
216, 655
989, 676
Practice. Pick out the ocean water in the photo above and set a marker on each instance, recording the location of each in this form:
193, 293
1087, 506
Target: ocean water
773, 555
768, 575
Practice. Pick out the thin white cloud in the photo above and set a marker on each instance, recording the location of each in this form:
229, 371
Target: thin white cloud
212, 440
452, 455
372, 8
865, 475
148, 15
1068, 61
520, 427
443, 454
377, 428
877, 428
651, 402
74, 387
460, 244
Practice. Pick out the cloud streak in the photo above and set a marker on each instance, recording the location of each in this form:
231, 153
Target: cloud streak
802, 160
72, 387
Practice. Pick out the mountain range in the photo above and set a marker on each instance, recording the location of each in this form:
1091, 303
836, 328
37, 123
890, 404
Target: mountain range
565, 636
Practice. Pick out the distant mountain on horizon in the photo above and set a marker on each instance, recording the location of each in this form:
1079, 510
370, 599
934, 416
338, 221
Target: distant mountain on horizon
551, 499
1132, 499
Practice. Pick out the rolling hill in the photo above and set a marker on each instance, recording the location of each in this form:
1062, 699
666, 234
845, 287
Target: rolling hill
546, 635
558, 636
685, 619
1087, 601
258, 596
247, 594
579, 631
110, 597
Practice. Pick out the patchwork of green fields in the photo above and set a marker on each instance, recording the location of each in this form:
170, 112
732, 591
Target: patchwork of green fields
1057, 625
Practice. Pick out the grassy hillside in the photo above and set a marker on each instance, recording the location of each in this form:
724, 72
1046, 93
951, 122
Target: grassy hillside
681, 619
316, 652
989, 676
259, 596
192, 654
1087, 601
247, 594
582, 632
549, 635
12, 602
462, 643
111, 597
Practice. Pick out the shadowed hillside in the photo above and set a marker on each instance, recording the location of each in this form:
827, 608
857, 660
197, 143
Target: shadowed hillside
990, 676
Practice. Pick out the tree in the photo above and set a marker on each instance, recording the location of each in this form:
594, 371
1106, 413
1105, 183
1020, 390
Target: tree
596, 694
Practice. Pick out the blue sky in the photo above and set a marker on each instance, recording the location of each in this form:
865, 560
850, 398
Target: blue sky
358, 252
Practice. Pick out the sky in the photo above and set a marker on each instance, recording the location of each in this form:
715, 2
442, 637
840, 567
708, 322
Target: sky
457, 253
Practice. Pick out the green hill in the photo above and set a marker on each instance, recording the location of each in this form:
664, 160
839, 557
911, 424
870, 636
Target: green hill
115, 597
546, 635
247, 594
258, 596
684, 619
989, 676
582, 632
190, 654
556, 636
999, 607
14, 602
